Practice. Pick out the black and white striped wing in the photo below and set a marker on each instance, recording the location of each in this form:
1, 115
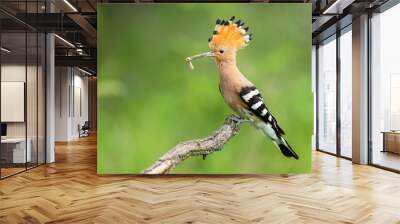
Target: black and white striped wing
253, 99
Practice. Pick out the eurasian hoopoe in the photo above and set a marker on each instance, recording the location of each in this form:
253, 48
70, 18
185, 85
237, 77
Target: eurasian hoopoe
238, 92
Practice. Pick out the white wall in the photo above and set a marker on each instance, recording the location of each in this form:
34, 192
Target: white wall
80, 109
71, 102
13, 72
62, 81
33, 126
16, 73
13, 101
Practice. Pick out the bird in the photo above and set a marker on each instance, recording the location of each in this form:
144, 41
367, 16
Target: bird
238, 92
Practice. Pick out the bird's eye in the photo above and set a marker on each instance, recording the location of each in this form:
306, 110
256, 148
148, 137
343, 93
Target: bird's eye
221, 51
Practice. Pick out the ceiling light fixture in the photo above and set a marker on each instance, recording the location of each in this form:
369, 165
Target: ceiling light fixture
331, 7
5, 50
84, 71
79, 51
64, 40
337, 7
70, 5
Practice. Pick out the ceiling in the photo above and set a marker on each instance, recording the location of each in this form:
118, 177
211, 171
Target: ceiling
76, 22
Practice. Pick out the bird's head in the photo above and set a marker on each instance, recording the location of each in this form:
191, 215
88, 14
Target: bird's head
228, 37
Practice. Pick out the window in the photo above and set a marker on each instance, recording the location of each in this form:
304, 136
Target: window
22, 78
327, 95
385, 89
346, 92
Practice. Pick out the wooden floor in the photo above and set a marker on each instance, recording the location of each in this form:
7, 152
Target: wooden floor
70, 191
386, 159
5, 172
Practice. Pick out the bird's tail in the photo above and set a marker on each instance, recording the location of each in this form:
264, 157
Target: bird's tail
285, 148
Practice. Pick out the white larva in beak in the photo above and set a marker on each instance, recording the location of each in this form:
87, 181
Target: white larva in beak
198, 56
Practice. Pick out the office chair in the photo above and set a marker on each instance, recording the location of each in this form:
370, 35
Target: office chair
84, 130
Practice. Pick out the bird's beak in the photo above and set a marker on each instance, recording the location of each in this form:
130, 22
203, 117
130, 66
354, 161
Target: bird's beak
198, 56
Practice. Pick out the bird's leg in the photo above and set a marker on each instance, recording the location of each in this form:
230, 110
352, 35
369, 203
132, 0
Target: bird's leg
238, 119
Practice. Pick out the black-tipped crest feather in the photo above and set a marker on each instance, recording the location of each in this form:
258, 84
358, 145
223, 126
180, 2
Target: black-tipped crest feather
220, 31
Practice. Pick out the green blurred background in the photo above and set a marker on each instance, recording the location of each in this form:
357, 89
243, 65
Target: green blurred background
149, 99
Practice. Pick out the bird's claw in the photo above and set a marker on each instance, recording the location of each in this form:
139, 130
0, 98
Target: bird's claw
239, 119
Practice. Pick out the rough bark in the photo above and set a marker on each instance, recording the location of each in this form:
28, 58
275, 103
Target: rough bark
196, 147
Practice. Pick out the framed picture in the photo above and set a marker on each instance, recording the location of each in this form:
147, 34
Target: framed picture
172, 73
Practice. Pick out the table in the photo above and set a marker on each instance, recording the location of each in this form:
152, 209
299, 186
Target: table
17, 150
391, 141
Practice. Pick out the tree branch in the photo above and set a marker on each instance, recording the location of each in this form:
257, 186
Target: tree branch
196, 147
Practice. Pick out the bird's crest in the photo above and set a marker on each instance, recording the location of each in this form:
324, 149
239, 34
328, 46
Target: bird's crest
230, 33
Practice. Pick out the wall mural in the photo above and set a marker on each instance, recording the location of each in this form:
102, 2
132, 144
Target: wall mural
242, 106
